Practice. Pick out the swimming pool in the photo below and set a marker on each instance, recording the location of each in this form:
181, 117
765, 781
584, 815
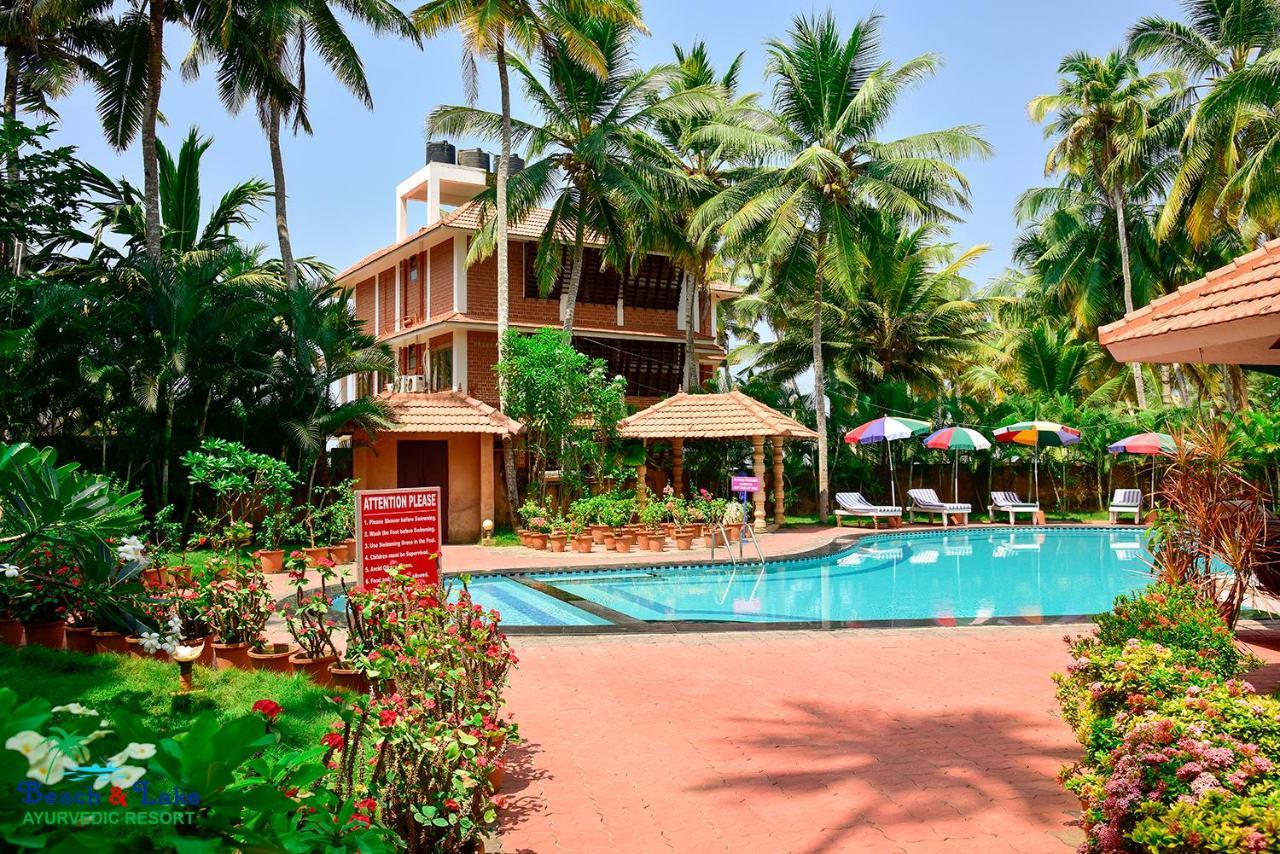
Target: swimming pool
962, 576
519, 604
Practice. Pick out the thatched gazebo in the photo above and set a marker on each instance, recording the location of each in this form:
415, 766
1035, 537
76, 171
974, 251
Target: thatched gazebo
733, 415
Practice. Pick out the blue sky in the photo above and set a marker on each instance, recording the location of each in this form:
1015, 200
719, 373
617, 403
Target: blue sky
997, 55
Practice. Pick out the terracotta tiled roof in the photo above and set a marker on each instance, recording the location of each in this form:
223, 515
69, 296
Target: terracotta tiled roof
445, 412
467, 217
1248, 287
701, 339
711, 416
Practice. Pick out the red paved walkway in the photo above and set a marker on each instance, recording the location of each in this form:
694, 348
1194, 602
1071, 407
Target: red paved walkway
885, 740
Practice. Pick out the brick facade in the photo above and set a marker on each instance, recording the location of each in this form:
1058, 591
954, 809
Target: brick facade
482, 359
441, 279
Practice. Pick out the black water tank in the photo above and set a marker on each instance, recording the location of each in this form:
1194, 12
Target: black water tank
441, 151
474, 157
514, 164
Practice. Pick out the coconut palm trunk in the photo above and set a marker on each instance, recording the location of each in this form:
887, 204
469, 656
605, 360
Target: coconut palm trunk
9, 254
1117, 196
575, 275
819, 386
150, 161
691, 312
282, 211
504, 273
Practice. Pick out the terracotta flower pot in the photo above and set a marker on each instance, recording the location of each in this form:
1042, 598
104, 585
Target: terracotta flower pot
155, 576
684, 540
496, 775
316, 669
233, 655
80, 639
207, 657
275, 657
598, 533
349, 678
50, 633
271, 560
316, 554
178, 574
610, 542
109, 642
623, 544
537, 541
657, 542
583, 543
134, 645
350, 543
557, 542
641, 540
11, 632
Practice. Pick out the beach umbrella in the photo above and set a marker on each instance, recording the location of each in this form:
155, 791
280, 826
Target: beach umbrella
1147, 444
887, 430
956, 439
1037, 434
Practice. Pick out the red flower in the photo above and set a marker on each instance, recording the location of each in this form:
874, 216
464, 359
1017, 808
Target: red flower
361, 818
366, 805
269, 709
387, 717
452, 805
289, 793
333, 740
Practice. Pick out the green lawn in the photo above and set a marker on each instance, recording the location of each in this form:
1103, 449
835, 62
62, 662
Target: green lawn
144, 688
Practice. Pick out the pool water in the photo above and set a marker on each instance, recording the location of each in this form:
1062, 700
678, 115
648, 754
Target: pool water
968, 576
518, 604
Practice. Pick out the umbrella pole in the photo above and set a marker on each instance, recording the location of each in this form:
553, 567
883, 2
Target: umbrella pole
893, 481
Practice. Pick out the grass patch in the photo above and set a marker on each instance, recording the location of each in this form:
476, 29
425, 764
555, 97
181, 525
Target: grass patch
504, 536
143, 687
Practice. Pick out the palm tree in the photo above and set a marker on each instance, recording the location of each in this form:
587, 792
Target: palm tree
1102, 108
702, 157
831, 96
1219, 39
261, 49
129, 93
49, 45
122, 207
492, 29
584, 155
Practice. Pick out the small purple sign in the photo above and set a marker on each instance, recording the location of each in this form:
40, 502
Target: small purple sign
742, 483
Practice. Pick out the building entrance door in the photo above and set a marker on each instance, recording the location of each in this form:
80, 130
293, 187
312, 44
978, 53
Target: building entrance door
426, 463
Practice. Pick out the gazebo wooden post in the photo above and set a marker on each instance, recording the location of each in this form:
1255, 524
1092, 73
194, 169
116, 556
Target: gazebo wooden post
642, 475
677, 466
779, 517
757, 459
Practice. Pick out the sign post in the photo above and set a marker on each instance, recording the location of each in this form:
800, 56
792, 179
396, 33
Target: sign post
398, 527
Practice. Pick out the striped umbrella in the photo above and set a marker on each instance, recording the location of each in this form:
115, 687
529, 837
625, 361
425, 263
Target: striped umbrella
1037, 434
1148, 444
956, 439
887, 430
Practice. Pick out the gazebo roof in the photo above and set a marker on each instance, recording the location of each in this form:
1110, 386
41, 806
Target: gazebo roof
711, 416
445, 412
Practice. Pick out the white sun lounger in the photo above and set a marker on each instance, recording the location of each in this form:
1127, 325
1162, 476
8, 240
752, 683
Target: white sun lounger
853, 504
1009, 502
927, 501
1126, 501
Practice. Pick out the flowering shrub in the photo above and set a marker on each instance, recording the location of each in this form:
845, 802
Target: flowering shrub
1175, 616
53, 572
1179, 756
239, 605
417, 753
308, 620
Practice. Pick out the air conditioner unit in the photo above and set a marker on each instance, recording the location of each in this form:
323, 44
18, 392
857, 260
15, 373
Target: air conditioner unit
411, 383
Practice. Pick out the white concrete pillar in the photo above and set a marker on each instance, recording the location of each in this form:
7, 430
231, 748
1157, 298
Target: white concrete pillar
460, 275
460, 360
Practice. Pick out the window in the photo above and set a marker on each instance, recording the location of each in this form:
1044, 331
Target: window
441, 362
651, 368
411, 362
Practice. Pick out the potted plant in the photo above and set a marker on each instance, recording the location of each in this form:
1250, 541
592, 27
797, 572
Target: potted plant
311, 624
557, 535
10, 625
683, 534
246, 486
615, 513
581, 539
41, 603
278, 527
341, 522
652, 516
239, 607
732, 517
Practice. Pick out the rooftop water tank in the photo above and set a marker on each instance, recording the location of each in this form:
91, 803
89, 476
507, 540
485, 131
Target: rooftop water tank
476, 158
441, 151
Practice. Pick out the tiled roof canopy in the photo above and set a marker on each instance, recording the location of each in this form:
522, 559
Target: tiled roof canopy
711, 416
1232, 315
445, 412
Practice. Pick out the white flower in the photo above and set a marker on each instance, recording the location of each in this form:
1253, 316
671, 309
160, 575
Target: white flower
135, 750
75, 709
150, 641
9, 570
51, 767
122, 777
30, 744
131, 550
175, 625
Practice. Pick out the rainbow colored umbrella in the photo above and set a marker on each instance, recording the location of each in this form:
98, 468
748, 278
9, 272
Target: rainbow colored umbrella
887, 429
1037, 434
956, 439
1148, 444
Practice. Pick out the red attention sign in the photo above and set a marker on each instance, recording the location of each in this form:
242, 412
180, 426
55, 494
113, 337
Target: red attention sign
398, 527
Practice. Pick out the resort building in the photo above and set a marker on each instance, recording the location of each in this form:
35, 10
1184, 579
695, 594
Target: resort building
439, 316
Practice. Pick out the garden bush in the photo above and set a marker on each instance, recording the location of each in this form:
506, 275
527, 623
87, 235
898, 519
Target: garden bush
1179, 755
